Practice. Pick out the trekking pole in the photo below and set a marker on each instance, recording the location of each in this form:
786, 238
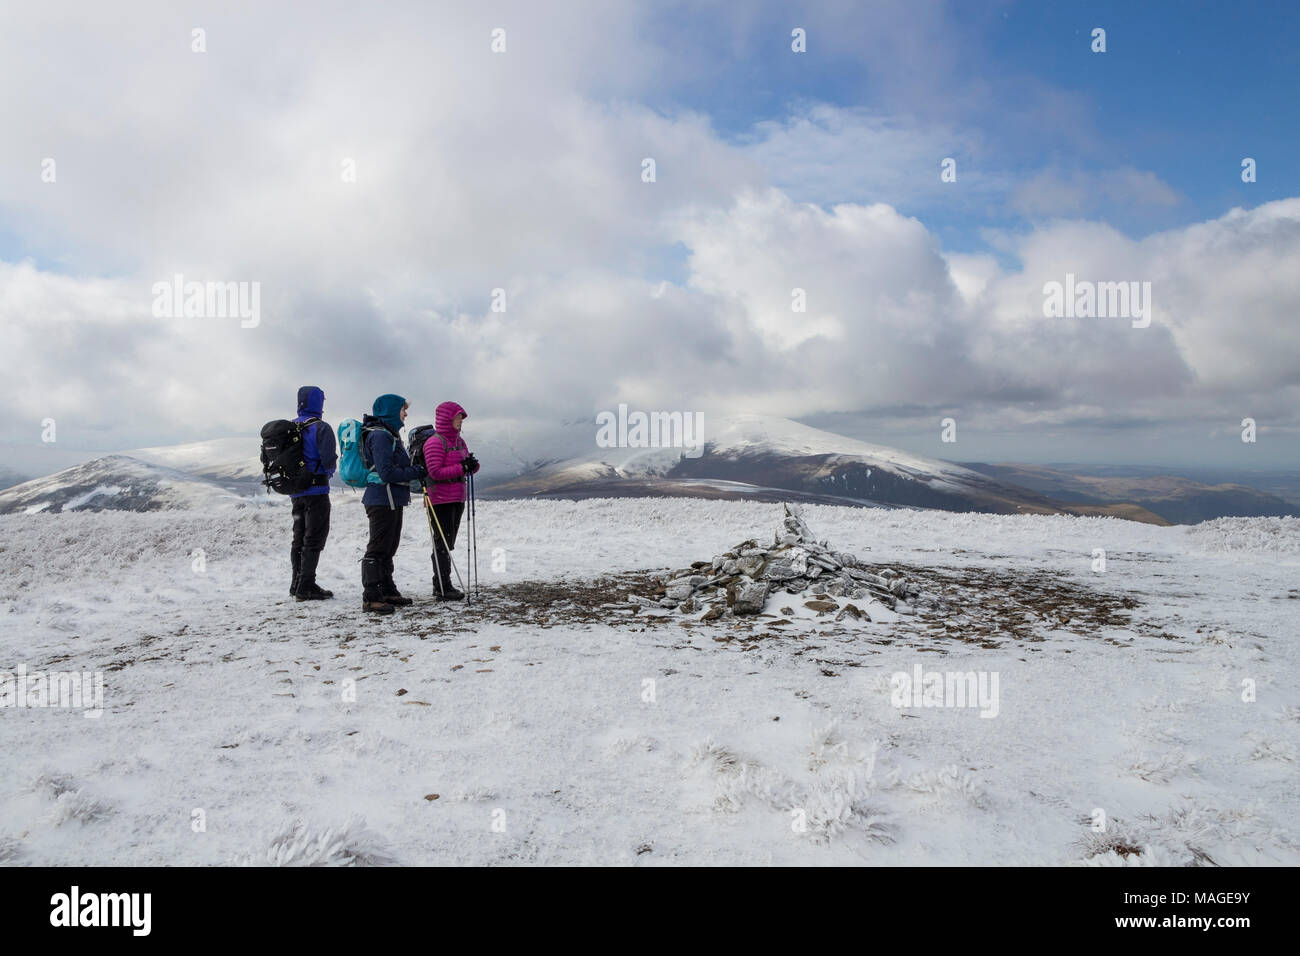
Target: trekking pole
473, 529
450, 556
469, 554
433, 543
472, 562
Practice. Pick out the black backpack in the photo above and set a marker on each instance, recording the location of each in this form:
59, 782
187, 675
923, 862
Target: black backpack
284, 469
415, 444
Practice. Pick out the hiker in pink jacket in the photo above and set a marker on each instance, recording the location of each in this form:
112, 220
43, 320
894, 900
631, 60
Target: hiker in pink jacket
447, 461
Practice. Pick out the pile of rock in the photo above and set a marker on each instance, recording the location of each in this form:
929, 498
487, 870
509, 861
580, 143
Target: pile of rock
740, 581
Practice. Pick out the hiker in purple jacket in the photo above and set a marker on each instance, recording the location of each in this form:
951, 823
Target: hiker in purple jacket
446, 462
311, 508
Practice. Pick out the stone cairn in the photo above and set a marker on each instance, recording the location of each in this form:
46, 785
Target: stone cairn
740, 581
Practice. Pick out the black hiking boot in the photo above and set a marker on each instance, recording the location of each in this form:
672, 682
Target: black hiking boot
372, 588
446, 591
389, 593
304, 578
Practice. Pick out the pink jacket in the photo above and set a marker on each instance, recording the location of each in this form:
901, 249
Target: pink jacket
443, 454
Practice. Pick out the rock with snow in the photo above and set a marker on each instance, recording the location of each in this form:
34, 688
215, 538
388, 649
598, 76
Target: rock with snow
747, 597
740, 581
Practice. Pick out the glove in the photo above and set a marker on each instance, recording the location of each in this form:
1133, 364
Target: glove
469, 463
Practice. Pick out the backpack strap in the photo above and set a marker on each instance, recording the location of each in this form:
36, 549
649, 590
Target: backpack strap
444, 481
317, 479
369, 463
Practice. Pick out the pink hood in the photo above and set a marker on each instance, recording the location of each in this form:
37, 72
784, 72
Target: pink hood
442, 459
443, 417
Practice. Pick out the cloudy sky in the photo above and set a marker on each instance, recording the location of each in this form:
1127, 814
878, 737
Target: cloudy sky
522, 170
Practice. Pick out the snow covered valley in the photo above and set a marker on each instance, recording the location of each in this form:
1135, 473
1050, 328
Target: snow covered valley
1147, 714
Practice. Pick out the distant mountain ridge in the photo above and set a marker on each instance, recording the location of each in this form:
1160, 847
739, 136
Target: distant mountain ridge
115, 483
765, 457
1177, 499
745, 457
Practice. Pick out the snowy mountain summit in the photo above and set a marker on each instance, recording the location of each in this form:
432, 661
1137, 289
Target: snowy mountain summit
114, 483
767, 458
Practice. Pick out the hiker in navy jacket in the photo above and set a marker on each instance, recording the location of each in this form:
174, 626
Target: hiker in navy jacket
384, 501
311, 508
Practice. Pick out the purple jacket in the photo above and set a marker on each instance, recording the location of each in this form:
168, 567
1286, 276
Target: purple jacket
443, 454
318, 448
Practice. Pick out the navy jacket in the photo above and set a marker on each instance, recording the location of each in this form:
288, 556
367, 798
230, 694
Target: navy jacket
385, 449
320, 451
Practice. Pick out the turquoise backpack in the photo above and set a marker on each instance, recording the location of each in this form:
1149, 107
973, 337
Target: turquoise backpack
355, 470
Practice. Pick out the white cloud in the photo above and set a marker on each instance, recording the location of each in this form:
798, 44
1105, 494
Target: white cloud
827, 154
1057, 192
891, 325
523, 172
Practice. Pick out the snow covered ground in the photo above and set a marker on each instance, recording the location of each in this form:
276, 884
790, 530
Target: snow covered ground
549, 737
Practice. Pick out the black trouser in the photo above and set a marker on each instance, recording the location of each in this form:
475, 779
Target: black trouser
448, 515
311, 526
377, 565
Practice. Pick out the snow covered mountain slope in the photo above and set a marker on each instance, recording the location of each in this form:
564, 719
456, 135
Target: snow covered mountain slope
506, 447
740, 435
550, 725
510, 448
746, 453
116, 483
221, 459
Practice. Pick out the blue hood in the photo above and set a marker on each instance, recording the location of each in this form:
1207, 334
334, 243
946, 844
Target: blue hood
311, 401
388, 409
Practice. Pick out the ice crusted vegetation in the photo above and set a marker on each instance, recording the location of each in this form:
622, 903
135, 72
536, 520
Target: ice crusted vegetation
1162, 768
833, 797
1179, 837
77, 807
10, 848
349, 844
1260, 535
840, 790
